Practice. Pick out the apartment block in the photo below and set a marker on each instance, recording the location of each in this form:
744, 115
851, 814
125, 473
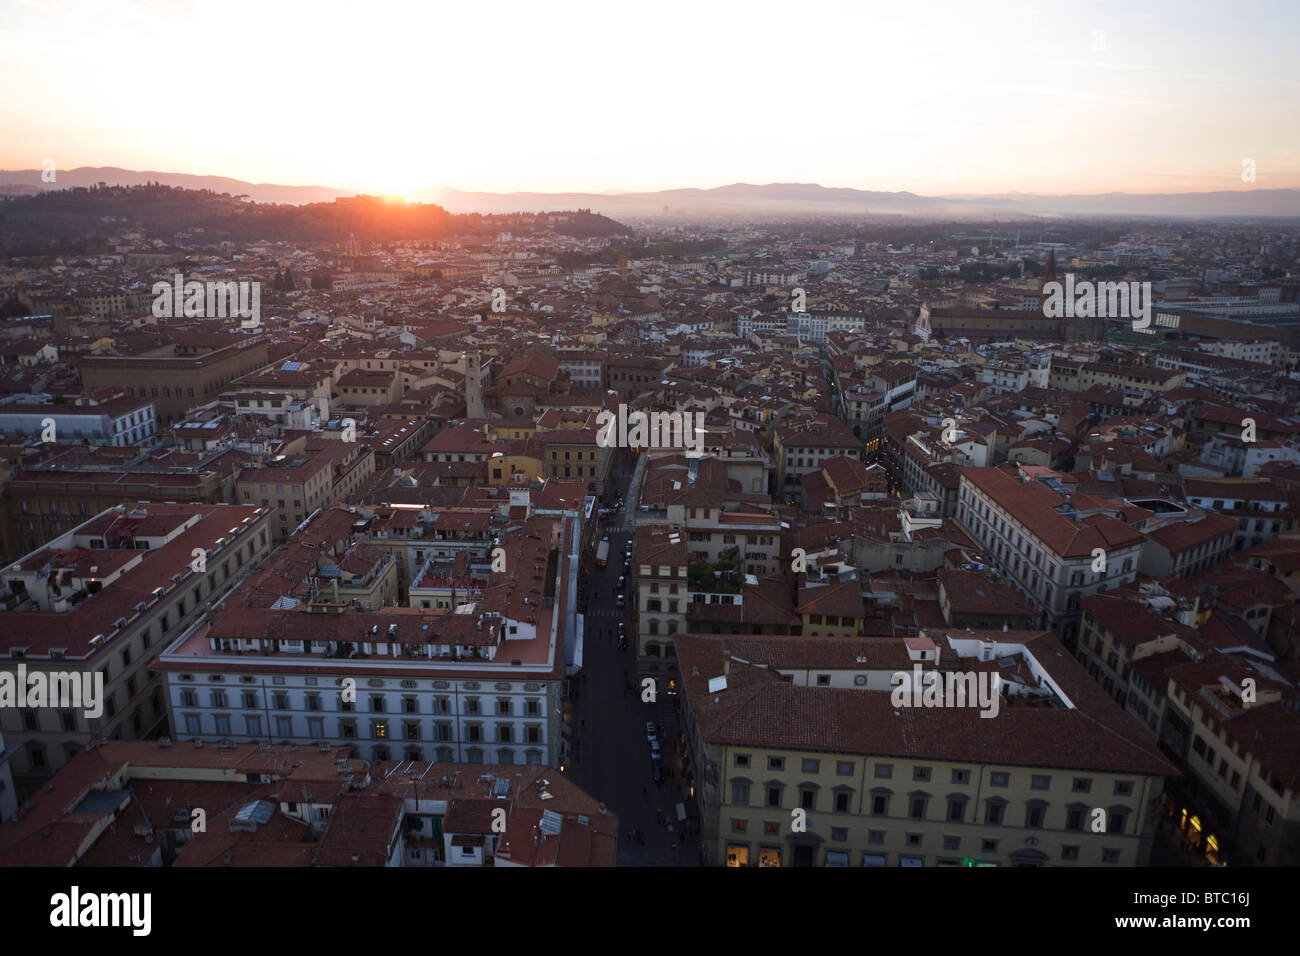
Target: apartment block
1231, 723
1055, 546
115, 420
799, 757
802, 445
174, 380
482, 683
323, 474
103, 598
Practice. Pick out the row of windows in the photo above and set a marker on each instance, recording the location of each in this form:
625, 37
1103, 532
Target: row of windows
456, 755
654, 605
279, 680
833, 620
1077, 815
738, 853
351, 729
378, 704
67, 719
885, 771
555, 455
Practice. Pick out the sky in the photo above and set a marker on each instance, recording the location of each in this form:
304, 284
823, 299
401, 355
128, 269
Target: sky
937, 98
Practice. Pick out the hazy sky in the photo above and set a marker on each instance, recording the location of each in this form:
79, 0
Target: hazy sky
951, 98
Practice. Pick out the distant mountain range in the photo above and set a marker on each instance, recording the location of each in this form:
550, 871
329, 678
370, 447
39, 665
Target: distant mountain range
28, 181
738, 199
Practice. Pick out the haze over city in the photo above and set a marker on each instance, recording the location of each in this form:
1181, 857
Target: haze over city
394, 97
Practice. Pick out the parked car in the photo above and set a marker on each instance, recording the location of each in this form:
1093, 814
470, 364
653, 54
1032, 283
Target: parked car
622, 582
622, 629
654, 750
619, 602
657, 769
651, 731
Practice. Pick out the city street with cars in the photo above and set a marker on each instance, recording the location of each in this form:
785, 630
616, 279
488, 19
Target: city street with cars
629, 749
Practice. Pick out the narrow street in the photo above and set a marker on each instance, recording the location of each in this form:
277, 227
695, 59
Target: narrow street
614, 762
